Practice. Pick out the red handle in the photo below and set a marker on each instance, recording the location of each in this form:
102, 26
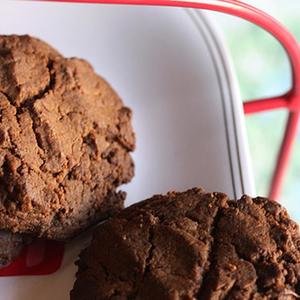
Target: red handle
236, 8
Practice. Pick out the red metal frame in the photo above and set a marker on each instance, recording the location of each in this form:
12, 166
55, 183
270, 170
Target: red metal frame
289, 101
45, 257
39, 258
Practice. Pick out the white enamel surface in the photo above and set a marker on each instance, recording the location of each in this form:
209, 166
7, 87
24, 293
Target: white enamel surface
187, 112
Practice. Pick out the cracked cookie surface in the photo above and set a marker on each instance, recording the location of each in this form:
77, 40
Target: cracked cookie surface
193, 245
65, 142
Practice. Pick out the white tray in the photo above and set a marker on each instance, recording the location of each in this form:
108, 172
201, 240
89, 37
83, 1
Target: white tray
170, 67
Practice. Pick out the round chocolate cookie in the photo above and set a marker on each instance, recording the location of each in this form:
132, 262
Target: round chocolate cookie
65, 142
193, 245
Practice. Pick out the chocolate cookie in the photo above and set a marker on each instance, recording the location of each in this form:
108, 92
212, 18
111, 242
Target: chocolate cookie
65, 142
193, 245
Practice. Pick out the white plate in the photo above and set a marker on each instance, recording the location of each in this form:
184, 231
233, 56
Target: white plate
169, 67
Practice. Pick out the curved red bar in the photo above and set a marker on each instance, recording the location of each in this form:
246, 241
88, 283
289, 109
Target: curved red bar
236, 8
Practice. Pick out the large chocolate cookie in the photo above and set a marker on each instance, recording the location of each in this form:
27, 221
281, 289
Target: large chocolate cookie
193, 245
65, 142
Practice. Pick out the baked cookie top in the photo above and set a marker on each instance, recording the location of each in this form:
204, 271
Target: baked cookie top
65, 141
193, 245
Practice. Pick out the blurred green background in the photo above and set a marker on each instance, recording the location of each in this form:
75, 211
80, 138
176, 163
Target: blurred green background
263, 70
